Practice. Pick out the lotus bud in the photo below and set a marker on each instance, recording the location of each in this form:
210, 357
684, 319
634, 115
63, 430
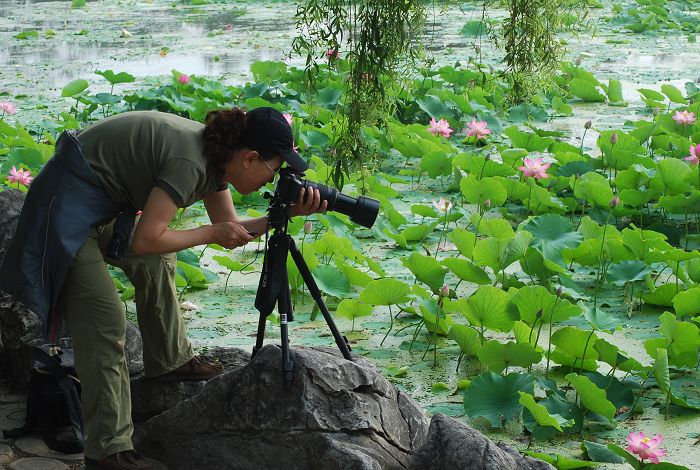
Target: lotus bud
477, 49
444, 291
183, 79
578, 61
614, 138
487, 157
656, 111
615, 201
588, 124
560, 289
308, 227
487, 203
539, 313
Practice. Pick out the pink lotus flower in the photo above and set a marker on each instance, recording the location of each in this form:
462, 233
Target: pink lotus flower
183, 79
20, 176
441, 127
333, 54
536, 168
443, 205
694, 157
684, 118
478, 129
7, 107
645, 447
288, 117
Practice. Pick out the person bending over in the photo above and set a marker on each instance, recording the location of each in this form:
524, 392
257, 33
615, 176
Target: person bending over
79, 213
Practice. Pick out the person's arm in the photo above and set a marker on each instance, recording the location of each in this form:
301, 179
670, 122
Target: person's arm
153, 235
220, 208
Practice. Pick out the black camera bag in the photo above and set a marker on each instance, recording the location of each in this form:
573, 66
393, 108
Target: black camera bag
53, 401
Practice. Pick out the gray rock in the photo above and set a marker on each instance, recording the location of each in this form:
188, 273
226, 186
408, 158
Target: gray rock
36, 463
452, 445
6, 453
149, 397
338, 414
133, 349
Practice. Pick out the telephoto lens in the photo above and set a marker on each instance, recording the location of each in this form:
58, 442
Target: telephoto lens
362, 210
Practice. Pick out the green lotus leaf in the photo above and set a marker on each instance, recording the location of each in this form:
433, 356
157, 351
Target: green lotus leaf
192, 275
663, 379
426, 269
395, 218
492, 226
266, 70
493, 252
614, 92
561, 462
418, 232
681, 203
436, 163
662, 296
73, 88
435, 107
351, 308
474, 28
355, 276
331, 280
466, 338
620, 394
570, 345
489, 307
627, 271
496, 398
671, 178
680, 338
645, 245
555, 405
541, 414
597, 193
531, 299
115, 78
467, 271
601, 320
477, 191
592, 397
552, 233
687, 303
586, 91
600, 453
397, 237
512, 155
424, 211
631, 459
232, 265
464, 240
527, 140
385, 292
673, 93
498, 356
612, 355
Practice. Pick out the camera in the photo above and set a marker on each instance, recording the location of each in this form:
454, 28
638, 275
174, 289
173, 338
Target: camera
361, 210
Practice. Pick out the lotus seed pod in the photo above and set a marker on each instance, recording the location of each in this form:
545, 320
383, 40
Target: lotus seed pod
614, 138
588, 124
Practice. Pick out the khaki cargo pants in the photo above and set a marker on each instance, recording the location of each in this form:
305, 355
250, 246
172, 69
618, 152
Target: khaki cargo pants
96, 318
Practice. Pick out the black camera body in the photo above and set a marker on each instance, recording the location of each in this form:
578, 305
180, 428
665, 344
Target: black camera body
361, 210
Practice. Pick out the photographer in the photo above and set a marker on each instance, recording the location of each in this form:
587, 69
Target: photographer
79, 213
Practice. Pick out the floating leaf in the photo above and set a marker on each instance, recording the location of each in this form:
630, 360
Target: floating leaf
496, 398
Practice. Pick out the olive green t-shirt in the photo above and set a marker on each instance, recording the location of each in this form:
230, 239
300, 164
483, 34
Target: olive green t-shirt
134, 152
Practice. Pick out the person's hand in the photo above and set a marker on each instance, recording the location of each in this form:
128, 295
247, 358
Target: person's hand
309, 202
230, 235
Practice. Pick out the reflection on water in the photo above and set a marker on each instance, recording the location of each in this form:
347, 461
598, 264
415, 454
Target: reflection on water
181, 31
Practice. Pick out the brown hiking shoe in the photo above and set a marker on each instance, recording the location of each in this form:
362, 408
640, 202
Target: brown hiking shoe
196, 369
126, 460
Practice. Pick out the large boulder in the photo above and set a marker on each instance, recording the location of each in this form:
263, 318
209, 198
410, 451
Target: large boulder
337, 414
149, 397
452, 445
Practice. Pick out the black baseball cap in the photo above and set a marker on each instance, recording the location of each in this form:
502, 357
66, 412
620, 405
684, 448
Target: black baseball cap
269, 133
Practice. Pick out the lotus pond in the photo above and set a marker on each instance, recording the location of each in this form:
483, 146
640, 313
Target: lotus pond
535, 268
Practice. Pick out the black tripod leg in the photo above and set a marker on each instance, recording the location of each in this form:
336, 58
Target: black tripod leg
316, 294
285, 308
261, 334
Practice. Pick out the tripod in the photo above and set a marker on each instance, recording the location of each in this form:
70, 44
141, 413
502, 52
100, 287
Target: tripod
273, 288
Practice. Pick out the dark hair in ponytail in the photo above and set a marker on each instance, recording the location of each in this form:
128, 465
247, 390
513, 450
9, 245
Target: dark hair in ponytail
224, 132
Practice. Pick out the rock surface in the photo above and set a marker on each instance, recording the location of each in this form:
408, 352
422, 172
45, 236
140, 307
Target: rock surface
338, 414
452, 445
150, 397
